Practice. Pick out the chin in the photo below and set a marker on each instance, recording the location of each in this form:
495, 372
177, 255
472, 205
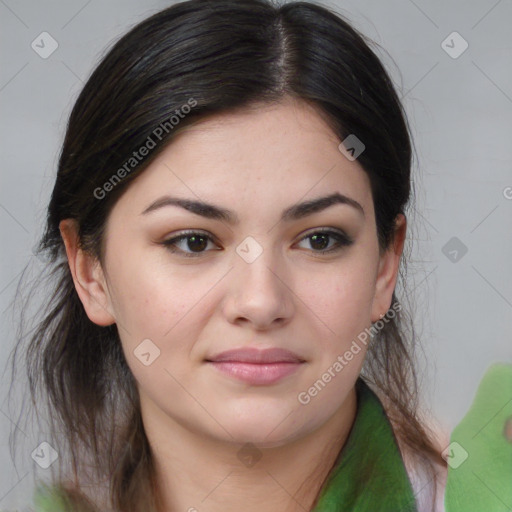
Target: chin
267, 430
261, 440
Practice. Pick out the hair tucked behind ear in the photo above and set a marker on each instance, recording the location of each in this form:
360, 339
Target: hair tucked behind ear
213, 57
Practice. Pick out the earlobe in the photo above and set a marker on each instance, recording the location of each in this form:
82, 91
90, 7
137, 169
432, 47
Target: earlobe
388, 271
88, 277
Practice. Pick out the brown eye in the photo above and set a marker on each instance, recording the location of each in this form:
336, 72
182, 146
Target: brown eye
319, 241
193, 243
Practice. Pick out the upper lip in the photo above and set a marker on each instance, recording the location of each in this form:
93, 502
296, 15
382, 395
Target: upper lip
255, 355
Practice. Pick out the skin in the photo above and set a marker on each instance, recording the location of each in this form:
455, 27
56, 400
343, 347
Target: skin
257, 163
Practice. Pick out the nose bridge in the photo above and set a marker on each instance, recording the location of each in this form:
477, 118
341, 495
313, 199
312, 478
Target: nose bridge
256, 260
258, 293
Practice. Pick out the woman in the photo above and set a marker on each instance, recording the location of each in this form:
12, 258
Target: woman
226, 233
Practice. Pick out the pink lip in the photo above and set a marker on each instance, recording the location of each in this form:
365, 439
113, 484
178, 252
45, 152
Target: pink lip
257, 367
254, 355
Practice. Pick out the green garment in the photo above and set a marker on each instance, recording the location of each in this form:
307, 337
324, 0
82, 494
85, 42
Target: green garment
480, 452
369, 474
47, 499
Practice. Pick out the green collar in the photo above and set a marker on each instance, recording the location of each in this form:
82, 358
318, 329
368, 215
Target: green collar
369, 473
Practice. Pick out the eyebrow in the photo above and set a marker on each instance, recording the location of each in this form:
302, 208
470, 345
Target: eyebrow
294, 212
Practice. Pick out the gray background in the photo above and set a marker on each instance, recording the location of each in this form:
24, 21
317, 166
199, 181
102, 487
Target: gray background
460, 110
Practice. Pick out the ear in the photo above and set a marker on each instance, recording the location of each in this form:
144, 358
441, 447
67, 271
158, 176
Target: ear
88, 276
388, 270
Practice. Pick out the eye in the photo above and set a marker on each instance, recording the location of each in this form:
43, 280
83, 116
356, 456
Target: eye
319, 240
195, 241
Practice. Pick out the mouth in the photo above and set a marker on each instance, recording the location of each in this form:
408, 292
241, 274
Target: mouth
255, 366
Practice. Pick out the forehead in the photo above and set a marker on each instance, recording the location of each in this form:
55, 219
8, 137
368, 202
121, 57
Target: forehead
290, 130
278, 154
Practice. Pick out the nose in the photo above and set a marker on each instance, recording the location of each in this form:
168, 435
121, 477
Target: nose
260, 293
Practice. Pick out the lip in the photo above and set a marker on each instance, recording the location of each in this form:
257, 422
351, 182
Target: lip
256, 366
255, 355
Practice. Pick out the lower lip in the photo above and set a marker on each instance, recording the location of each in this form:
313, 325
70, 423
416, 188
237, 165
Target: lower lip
256, 374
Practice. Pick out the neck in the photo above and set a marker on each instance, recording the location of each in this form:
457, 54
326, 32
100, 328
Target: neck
197, 473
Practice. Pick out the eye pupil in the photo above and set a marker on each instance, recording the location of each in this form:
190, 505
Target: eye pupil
192, 242
323, 237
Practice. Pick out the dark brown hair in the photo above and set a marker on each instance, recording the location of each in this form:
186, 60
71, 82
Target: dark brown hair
217, 56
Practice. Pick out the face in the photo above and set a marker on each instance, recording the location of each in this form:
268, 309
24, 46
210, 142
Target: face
252, 270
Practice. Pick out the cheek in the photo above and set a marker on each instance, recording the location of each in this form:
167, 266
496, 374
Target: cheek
150, 296
341, 298
161, 303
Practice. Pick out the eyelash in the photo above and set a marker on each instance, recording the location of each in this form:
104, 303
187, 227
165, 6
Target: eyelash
341, 239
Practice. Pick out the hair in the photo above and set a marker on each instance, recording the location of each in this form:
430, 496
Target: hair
215, 57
